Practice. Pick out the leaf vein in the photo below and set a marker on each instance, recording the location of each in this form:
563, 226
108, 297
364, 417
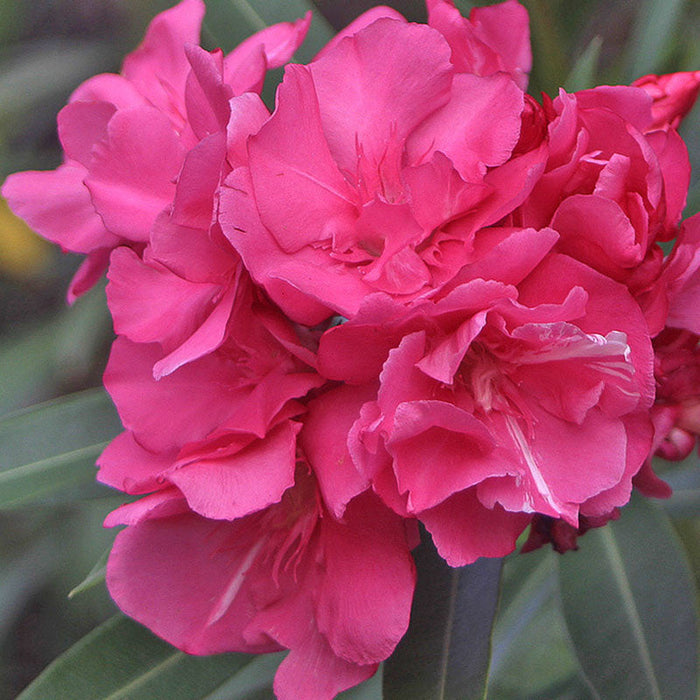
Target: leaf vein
630, 606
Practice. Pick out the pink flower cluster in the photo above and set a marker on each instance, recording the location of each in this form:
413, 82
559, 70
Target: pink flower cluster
412, 294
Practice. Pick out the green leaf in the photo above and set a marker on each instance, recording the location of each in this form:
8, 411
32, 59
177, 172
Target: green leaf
369, 690
47, 448
26, 364
120, 660
445, 653
653, 33
40, 356
46, 68
531, 655
253, 682
629, 604
684, 479
21, 576
95, 575
38, 480
582, 74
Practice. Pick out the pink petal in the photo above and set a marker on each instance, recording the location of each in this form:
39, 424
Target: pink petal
57, 205
442, 362
290, 163
206, 94
246, 74
111, 88
609, 308
275, 45
324, 441
629, 103
683, 273
248, 114
674, 162
129, 467
355, 353
673, 96
161, 504
132, 174
174, 575
493, 39
358, 24
505, 28
151, 304
190, 253
226, 488
596, 231
506, 255
365, 597
378, 85
331, 674
563, 451
464, 530
640, 433
208, 337
199, 179
438, 193
158, 68
254, 410
297, 286
183, 407
88, 274
464, 128
435, 436
80, 126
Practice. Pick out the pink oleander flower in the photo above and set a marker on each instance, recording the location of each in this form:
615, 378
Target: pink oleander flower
673, 96
497, 402
410, 295
185, 280
379, 180
677, 409
676, 413
612, 188
221, 428
682, 278
337, 594
127, 137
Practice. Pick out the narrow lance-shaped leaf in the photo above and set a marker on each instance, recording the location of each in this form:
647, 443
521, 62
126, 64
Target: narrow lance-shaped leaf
48, 448
629, 604
684, 479
653, 33
95, 576
531, 656
121, 660
253, 682
582, 74
445, 653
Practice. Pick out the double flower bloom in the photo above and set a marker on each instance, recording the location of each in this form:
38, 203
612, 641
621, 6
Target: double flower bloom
412, 294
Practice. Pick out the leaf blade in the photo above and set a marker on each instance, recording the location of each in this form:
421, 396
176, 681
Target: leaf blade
583, 72
632, 620
121, 660
46, 449
653, 33
446, 651
33, 482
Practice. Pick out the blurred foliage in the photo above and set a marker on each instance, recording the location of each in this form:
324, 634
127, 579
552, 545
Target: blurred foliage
49, 545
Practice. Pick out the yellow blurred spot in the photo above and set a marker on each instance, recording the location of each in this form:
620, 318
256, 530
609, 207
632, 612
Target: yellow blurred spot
22, 252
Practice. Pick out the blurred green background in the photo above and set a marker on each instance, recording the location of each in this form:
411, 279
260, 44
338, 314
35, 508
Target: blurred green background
47, 47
